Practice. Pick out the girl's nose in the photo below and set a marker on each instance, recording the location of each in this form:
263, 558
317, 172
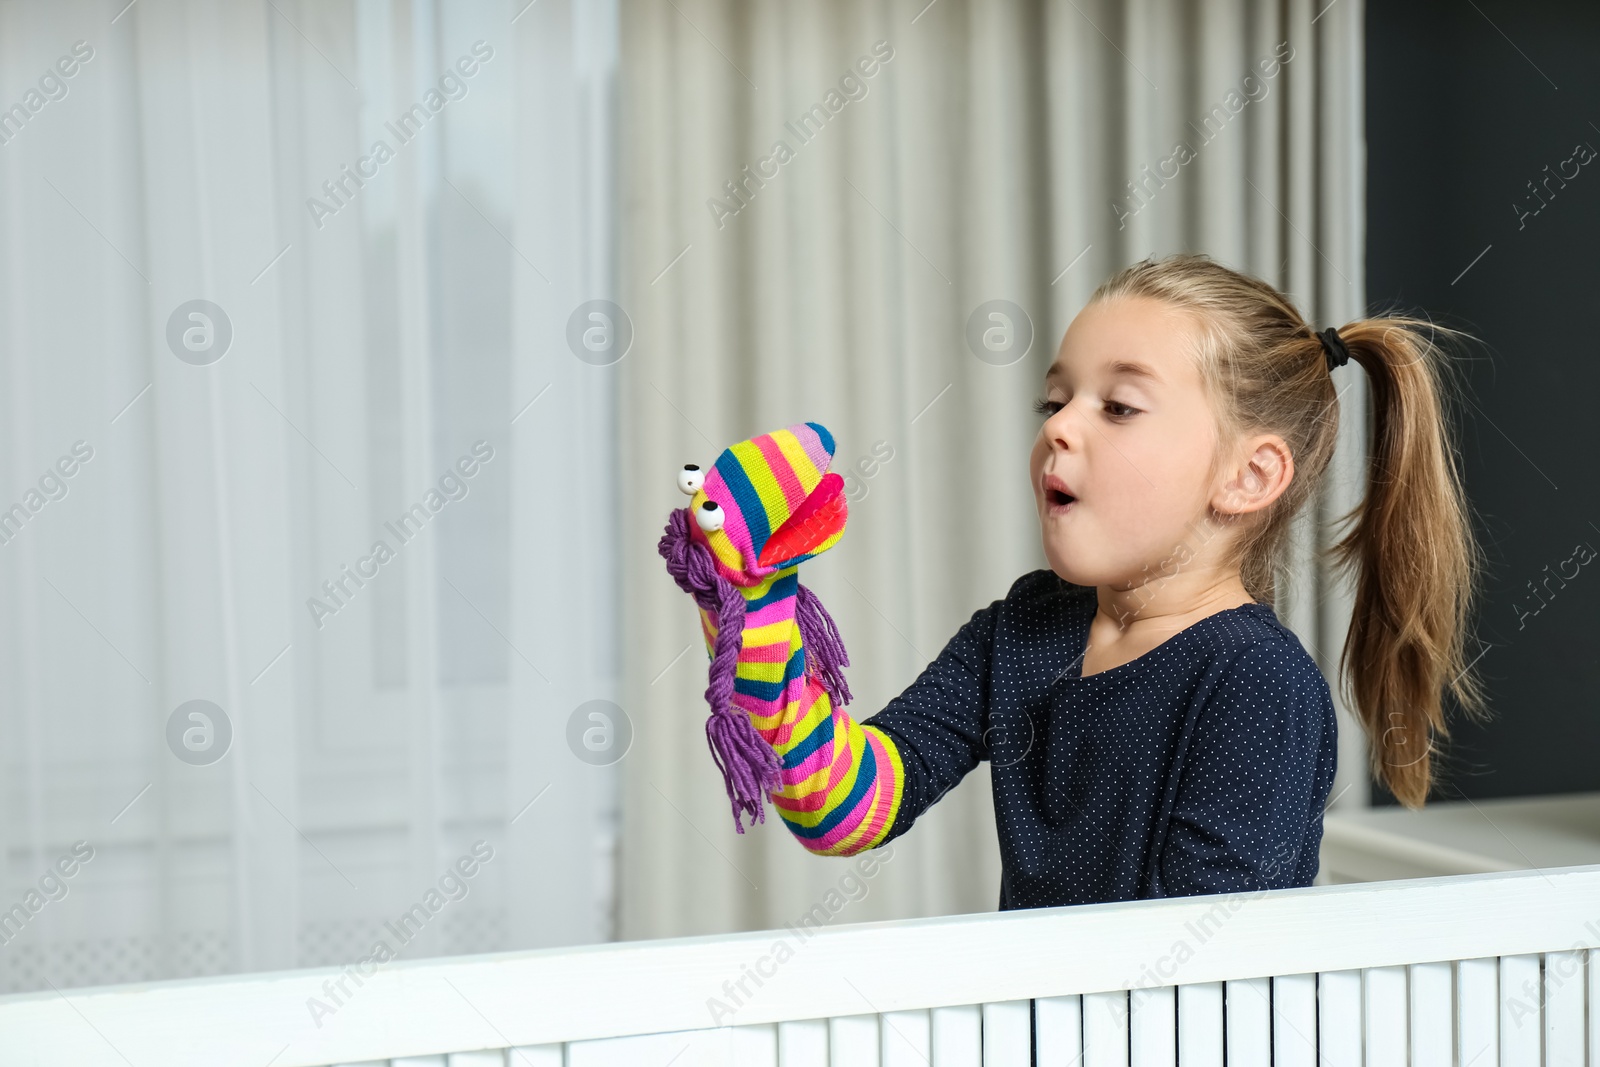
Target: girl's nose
1064, 429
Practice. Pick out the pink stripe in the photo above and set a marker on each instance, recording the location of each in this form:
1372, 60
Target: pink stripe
817, 798
824, 755
780, 736
777, 611
848, 825
885, 786
794, 492
733, 525
777, 652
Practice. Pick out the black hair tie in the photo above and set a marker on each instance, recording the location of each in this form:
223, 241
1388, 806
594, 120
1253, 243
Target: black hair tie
1333, 345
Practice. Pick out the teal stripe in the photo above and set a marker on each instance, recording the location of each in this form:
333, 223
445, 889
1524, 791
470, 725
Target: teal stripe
745, 499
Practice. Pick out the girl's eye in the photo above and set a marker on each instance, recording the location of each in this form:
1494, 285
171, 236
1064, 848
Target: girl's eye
1113, 409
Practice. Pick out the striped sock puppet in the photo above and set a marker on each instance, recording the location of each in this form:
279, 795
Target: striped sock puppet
777, 684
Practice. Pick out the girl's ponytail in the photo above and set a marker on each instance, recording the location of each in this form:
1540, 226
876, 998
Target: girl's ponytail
1410, 546
1413, 557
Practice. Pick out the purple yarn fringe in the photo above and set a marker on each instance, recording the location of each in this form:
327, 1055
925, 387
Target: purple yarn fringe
825, 654
748, 764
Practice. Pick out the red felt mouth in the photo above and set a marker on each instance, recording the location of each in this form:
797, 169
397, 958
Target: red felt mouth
819, 517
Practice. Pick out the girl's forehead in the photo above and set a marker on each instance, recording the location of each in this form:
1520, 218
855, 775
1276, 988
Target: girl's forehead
1132, 337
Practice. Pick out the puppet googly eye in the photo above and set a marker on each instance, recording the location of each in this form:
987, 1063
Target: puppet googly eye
690, 479
710, 516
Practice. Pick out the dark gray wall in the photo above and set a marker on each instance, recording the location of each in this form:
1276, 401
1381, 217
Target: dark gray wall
1468, 101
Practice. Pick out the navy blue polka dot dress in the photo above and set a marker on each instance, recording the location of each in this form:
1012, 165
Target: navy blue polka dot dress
1202, 766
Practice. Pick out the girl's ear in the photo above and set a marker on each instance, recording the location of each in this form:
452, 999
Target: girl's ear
1262, 470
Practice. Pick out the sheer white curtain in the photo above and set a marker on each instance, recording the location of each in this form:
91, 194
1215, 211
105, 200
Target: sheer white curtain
990, 154
382, 357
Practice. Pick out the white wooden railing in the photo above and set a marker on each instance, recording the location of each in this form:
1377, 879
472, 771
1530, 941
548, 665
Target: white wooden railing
1489, 970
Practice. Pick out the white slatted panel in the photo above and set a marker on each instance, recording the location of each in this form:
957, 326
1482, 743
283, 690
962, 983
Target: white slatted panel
493, 1057
535, 1056
1059, 1022
803, 1043
1432, 1006
1478, 1012
1384, 994
1520, 1023
1339, 1018
1564, 982
1200, 1025
722, 1047
749, 1046
418, 1061
1153, 1027
1105, 1029
957, 1037
906, 1038
1294, 1020
852, 1041
1249, 1007
1007, 1034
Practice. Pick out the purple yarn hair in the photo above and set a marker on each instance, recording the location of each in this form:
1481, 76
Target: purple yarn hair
749, 766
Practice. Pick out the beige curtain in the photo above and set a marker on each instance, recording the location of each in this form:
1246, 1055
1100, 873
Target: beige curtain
987, 157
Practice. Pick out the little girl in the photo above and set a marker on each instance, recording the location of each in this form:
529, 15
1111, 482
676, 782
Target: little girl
1152, 729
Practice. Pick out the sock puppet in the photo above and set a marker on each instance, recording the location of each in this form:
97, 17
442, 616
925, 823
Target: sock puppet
776, 679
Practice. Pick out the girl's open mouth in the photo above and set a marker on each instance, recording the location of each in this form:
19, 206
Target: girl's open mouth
1057, 497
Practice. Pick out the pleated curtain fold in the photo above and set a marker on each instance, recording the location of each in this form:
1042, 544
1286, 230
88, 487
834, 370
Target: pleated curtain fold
817, 204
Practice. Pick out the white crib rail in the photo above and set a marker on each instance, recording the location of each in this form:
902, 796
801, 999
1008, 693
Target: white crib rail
1496, 970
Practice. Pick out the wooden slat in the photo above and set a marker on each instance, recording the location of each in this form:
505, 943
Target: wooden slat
803, 1043
1384, 996
1478, 1012
603, 991
1249, 1007
905, 1039
1059, 1023
1200, 1025
748, 1046
1007, 1034
853, 1041
958, 1036
1564, 987
1105, 1029
1432, 1007
1153, 1027
536, 1056
689, 1048
1339, 1019
494, 1057
1521, 1021
1294, 1020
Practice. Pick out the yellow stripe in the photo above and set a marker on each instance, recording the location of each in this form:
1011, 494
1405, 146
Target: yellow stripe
899, 786
793, 451
721, 544
768, 491
846, 750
